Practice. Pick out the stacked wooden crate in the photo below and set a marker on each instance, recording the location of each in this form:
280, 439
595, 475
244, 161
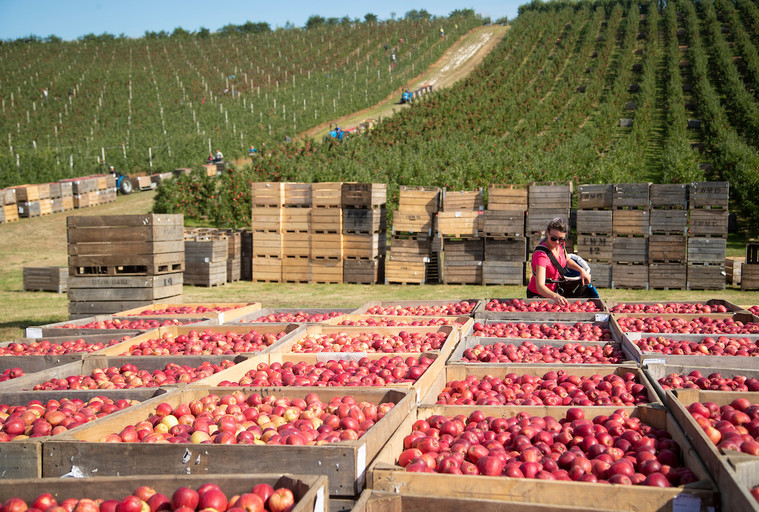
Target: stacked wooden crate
8, 208
750, 269
120, 262
364, 232
630, 228
268, 200
545, 202
458, 224
28, 201
326, 232
666, 243
412, 236
46, 206
106, 188
67, 195
53, 279
56, 200
206, 253
234, 256
296, 234
504, 236
707, 235
84, 191
595, 242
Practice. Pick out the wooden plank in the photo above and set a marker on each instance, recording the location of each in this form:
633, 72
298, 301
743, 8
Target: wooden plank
91, 308
119, 247
126, 294
221, 311
129, 234
127, 263
150, 219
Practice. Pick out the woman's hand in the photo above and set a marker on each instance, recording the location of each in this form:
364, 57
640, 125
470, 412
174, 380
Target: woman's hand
585, 276
560, 300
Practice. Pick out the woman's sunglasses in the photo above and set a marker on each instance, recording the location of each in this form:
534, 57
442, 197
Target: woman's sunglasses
557, 239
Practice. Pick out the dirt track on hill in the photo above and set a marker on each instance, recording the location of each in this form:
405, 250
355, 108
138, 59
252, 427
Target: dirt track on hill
456, 63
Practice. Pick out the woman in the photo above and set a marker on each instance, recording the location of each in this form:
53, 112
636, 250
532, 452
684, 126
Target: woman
546, 275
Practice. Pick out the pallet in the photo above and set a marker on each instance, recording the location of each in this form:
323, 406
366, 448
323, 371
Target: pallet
630, 222
507, 197
549, 195
266, 219
266, 244
462, 200
667, 249
461, 271
124, 288
364, 220
364, 195
54, 279
669, 195
594, 196
709, 222
668, 222
410, 248
458, 224
667, 276
326, 195
9, 196
296, 270
630, 250
148, 264
9, 213
594, 222
46, 206
234, 270
206, 274
630, 195
419, 200
709, 195
502, 223
707, 250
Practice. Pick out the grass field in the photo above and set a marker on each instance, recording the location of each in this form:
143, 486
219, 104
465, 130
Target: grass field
42, 242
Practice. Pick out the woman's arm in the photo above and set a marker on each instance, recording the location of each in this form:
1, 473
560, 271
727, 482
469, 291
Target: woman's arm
584, 274
540, 284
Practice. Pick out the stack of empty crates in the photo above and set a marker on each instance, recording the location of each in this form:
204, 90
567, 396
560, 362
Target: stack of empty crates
503, 234
28, 201
630, 228
750, 271
707, 235
545, 202
206, 252
46, 206
85, 191
326, 233
8, 208
411, 245
234, 255
364, 232
121, 262
106, 188
268, 200
595, 242
54, 279
364, 229
667, 243
458, 224
296, 232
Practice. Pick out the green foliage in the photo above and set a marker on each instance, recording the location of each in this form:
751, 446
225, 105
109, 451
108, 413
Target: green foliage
193, 195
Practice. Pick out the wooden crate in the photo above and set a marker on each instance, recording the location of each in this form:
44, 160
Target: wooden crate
206, 249
667, 276
267, 194
507, 197
206, 273
404, 272
84, 309
364, 220
367, 195
326, 195
709, 194
68, 203
458, 224
57, 205
706, 276
296, 245
124, 288
386, 475
462, 200
326, 271
364, 271
669, 221
601, 274
296, 220
246, 256
46, 206
505, 249
297, 194
462, 272
419, 200
733, 267
668, 195
550, 195
667, 249
503, 223
126, 264
67, 188
630, 195
411, 248
124, 228
82, 201
412, 223
752, 252
266, 244
629, 276
266, 219
27, 193
29, 209
326, 220
596, 248
362, 246
54, 279
266, 270
343, 463
707, 250
54, 190
81, 186
296, 270
310, 491
466, 249
145, 183
594, 222
234, 270
9, 213
630, 222
750, 277
538, 218
708, 222
630, 250
594, 196
327, 246
503, 273
8, 195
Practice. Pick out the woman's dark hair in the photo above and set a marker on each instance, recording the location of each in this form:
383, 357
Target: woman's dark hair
559, 224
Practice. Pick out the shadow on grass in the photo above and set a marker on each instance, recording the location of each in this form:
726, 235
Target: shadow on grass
23, 324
